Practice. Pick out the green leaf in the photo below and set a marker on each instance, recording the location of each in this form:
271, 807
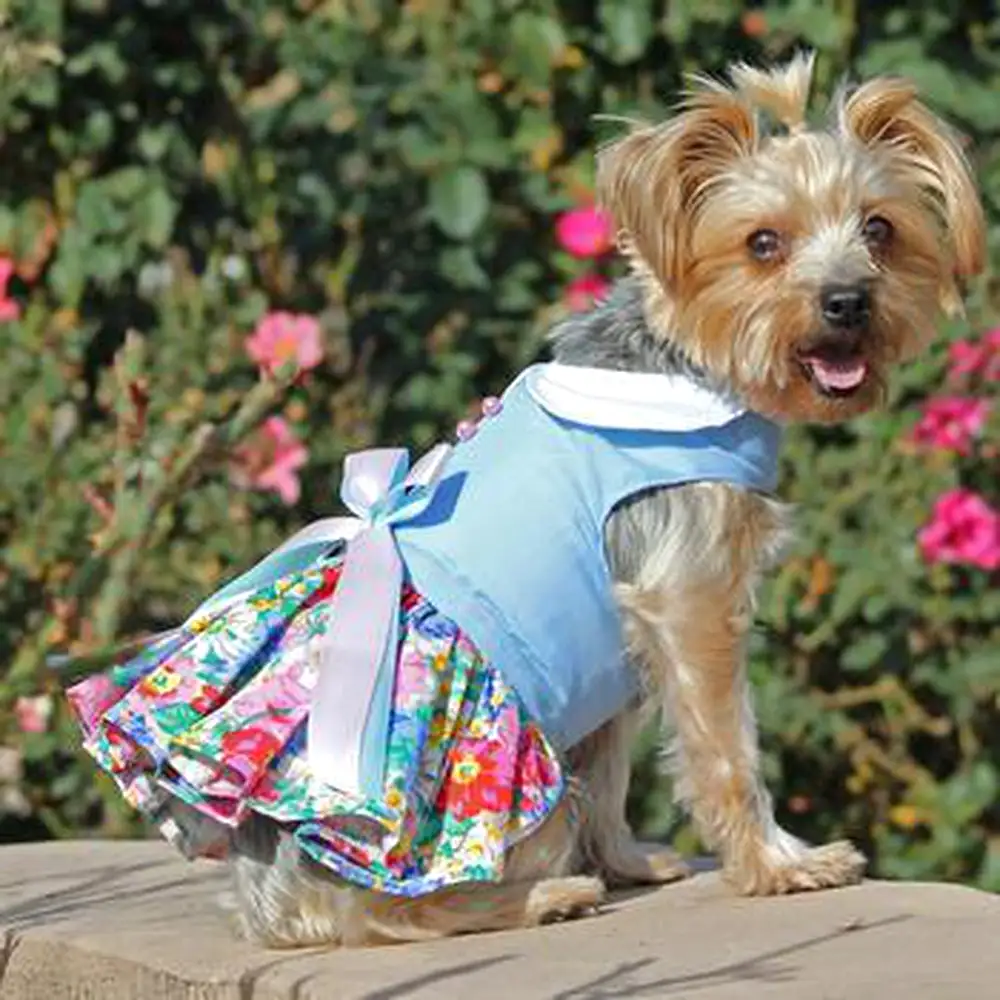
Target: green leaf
67, 277
535, 41
419, 148
865, 652
460, 266
155, 216
459, 201
628, 25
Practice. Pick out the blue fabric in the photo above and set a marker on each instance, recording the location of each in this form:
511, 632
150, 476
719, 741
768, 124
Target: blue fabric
512, 545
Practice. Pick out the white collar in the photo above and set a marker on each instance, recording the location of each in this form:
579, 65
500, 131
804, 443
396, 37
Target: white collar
602, 397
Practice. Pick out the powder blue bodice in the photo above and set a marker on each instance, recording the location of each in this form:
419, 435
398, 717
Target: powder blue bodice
512, 544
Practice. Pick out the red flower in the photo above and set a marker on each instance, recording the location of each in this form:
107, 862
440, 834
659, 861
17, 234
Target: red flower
754, 23
255, 745
535, 768
270, 460
283, 338
476, 781
9, 309
584, 232
976, 357
206, 699
583, 292
963, 529
950, 423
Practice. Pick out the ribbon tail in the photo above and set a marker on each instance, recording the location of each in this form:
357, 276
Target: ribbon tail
375, 737
348, 718
293, 555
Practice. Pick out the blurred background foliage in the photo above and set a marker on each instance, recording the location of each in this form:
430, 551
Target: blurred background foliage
174, 170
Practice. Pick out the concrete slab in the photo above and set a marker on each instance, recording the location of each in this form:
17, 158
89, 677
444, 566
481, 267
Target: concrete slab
131, 921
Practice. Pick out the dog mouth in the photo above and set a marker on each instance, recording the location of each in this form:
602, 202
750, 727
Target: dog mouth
834, 368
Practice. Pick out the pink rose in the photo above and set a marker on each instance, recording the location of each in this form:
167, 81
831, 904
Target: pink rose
583, 292
270, 460
963, 529
9, 308
584, 232
284, 337
976, 357
33, 714
950, 423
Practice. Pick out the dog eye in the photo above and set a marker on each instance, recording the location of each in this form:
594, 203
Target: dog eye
765, 244
877, 231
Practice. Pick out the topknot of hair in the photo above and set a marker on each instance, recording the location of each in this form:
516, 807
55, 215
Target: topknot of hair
782, 92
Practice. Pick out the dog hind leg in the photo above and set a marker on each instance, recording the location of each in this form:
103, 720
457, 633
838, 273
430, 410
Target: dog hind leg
281, 901
537, 889
602, 763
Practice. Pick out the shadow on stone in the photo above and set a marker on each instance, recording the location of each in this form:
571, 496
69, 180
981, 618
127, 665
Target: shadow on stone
410, 986
99, 886
619, 982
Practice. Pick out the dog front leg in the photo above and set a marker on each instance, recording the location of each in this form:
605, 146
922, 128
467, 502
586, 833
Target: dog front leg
716, 756
687, 562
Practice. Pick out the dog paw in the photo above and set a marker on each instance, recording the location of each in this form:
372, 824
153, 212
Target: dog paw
646, 864
810, 868
565, 898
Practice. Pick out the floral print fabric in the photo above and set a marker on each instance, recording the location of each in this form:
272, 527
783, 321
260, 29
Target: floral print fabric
214, 716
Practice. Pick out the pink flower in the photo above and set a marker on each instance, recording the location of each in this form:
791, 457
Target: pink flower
284, 337
270, 460
9, 308
33, 714
951, 422
583, 292
963, 529
584, 232
976, 357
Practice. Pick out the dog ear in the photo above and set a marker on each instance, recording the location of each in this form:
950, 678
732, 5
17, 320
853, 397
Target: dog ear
886, 112
652, 180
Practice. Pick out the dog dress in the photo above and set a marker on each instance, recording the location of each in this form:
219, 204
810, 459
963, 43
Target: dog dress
396, 690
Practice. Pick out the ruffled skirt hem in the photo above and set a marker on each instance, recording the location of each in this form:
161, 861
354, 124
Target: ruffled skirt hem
209, 722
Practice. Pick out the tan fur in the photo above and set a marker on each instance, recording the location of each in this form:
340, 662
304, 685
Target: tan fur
688, 193
602, 764
672, 167
784, 91
686, 562
693, 624
885, 114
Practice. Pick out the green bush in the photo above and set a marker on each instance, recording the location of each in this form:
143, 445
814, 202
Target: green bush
173, 171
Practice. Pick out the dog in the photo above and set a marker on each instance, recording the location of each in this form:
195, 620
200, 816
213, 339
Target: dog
790, 265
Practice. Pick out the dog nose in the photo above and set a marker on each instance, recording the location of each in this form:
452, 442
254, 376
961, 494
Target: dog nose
846, 306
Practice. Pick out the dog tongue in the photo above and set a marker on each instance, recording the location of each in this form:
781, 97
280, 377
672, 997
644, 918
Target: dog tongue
841, 375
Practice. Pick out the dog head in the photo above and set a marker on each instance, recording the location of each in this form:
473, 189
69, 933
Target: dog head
797, 264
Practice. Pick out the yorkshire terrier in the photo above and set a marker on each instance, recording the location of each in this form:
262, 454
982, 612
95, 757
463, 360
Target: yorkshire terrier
791, 266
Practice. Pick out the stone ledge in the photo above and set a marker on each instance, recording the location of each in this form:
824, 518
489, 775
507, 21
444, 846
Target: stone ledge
131, 921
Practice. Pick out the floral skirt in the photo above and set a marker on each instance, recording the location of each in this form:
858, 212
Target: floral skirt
214, 717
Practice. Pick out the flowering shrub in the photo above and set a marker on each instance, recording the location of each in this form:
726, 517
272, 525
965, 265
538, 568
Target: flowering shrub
9, 308
282, 338
271, 460
951, 423
585, 234
964, 530
240, 240
586, 291
977, 358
